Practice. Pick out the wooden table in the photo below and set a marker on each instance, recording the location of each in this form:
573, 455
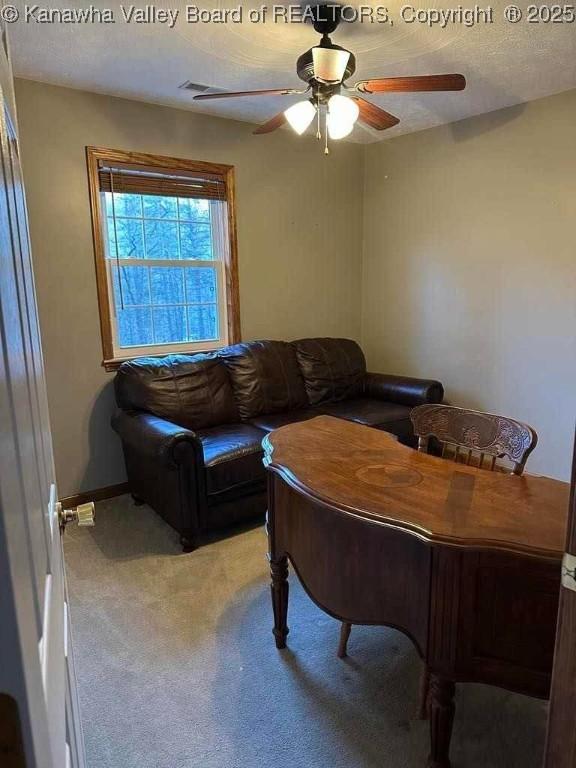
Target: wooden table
464, 561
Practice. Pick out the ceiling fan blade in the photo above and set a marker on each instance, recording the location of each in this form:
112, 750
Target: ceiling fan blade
412, 84
373, 116
272, 124
234, 94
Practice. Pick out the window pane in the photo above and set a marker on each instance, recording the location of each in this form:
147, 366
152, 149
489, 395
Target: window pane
202, 322
135, 286
191, 208
124, 204
169, 324
130, 240
200, 284
196, 241
163, 255
161, 239
167, 285
134, 326
156, 207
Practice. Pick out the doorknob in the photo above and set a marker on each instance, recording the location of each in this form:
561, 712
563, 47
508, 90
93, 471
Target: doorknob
83, 514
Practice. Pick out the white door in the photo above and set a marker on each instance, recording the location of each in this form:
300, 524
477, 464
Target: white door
39, 723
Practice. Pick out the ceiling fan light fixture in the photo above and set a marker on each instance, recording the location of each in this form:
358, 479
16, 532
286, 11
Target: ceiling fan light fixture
343, 108
329, 64
338, 129
300, 115
342, 114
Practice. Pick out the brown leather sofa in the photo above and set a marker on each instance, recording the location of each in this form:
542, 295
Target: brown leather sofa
192, 426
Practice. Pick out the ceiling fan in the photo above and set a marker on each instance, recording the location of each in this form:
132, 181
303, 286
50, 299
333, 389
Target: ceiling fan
326, 68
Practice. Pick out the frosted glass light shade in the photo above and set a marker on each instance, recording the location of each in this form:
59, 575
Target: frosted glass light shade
343, 108
329, 64
300, 115
342, 114
338, 129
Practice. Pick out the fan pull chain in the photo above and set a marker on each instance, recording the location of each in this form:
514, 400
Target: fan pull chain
326, 150
318, 132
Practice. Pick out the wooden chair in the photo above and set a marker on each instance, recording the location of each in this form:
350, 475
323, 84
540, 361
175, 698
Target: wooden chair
473, 438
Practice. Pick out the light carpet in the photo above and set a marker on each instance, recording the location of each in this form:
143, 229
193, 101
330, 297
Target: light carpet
177, 666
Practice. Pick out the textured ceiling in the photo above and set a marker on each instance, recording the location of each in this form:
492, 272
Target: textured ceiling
504, 63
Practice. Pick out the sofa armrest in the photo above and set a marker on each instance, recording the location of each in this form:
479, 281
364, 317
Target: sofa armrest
156, 438
403, 390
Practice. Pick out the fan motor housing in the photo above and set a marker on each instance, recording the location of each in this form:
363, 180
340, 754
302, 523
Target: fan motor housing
305, 64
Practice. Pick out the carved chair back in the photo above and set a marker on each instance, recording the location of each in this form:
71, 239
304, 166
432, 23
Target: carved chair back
472, 437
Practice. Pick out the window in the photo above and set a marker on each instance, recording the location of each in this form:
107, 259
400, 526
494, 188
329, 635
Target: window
165, 249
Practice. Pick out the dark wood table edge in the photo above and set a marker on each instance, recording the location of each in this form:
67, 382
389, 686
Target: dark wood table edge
470, 544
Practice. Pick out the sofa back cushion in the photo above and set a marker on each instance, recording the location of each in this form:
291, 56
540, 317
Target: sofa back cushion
333, 369
193, 391
265, 377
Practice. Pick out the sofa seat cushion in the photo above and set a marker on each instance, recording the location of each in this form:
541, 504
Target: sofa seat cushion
366, 410
265, 377
274, 420
232, 457
333, 369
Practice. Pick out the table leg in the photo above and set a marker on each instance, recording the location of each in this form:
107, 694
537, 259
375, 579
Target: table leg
279, 590
441, 713
345, 629
424, 695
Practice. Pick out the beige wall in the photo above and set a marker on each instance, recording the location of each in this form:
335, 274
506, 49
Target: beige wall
299, 235
469, 268
467, 272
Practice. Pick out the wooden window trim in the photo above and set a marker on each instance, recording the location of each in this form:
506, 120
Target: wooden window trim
93, 157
